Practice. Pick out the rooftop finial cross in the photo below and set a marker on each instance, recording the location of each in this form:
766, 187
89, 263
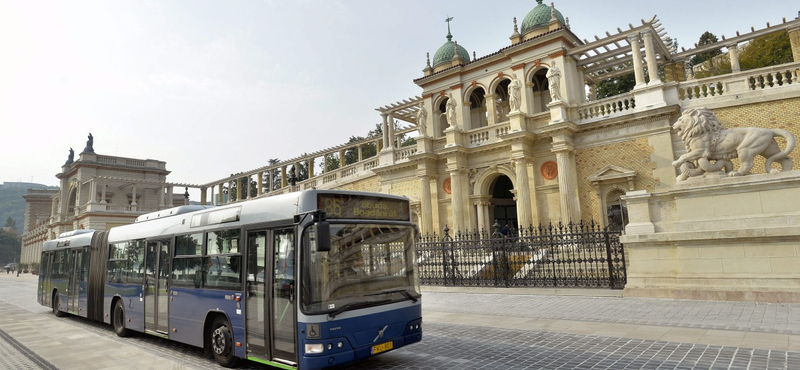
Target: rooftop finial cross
448, 19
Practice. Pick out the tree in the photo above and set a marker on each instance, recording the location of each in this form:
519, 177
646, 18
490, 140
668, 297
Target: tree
766, 51
705, 39
11, 222
615, 85
10, 246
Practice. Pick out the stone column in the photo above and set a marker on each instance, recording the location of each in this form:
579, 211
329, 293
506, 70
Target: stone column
105, 185
360, 154
220, 195
426, 219
161, 192
203, 195
342, 161
325, 163
169, 196
490, 109
259, 182
523, 193
284, 180
567, 182
592, 91
481, 219
794, 39
133, 194
92, 191
650, 55
457, 200
385, 130
392, 139
636, 54
733, 53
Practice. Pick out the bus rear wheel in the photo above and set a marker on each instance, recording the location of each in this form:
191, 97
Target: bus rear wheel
56, 310
118, 319
221, 342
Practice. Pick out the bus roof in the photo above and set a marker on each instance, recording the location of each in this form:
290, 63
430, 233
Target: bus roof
75, 238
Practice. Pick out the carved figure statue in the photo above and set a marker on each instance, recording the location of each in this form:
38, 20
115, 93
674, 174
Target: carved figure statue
71, 157
451, 112
89, 144
554, 80
422, 118
513, 93
707, 140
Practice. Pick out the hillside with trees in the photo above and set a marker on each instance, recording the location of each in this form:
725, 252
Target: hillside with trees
12, 205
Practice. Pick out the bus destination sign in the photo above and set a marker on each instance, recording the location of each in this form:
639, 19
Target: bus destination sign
344, 206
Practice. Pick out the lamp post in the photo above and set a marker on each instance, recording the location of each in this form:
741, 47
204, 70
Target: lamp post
186, 196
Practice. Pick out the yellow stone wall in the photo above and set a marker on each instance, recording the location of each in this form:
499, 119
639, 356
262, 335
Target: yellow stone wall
410, 189
783, 114
371, 184
634, 155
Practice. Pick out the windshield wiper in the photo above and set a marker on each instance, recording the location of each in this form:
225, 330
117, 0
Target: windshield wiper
354, 305
404, 292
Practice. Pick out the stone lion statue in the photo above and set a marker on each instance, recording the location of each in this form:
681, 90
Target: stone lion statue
707, 140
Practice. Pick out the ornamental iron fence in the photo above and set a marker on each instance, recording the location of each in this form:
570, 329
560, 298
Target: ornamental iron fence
582, 255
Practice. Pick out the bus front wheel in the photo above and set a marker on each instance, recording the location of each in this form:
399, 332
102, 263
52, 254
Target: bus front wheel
118, 319
221, 341
56, 310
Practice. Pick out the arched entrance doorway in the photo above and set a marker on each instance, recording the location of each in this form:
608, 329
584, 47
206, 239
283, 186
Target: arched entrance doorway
504, 207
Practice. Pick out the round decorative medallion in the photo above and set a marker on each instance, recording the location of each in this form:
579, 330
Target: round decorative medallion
446, 185
549, 170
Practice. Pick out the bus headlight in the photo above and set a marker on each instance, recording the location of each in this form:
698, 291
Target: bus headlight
313, 348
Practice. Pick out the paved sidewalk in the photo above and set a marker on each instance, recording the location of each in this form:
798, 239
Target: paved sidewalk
32, 340
770, 326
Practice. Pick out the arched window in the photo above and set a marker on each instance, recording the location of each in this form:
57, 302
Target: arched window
441, 118
540, 94
501, 101
477, 108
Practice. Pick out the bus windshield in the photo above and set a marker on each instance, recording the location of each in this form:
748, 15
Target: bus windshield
367, 264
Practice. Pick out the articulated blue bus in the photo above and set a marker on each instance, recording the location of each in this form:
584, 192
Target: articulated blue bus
306, 280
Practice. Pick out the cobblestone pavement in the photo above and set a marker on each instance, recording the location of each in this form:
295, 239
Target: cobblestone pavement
462, 331
723, 315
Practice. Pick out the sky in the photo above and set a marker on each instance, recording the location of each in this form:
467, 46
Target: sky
220, 87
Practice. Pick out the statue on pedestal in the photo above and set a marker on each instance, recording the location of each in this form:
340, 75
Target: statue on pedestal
452, 118
707, 140
71, 157
554, 81
422, 117
89, 145
514, 94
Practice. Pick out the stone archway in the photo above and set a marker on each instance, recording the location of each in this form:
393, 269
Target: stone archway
503, 205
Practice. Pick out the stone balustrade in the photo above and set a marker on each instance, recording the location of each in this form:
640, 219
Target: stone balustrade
737, 84
605, 108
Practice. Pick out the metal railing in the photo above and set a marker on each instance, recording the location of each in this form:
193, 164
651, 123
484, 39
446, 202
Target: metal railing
566, 256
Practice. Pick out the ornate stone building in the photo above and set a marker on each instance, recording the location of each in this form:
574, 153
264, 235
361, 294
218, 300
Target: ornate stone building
96, 192
518, 135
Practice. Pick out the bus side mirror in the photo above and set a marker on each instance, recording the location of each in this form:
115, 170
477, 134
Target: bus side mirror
323, 237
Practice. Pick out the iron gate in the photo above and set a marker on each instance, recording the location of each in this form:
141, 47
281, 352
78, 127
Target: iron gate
574, 255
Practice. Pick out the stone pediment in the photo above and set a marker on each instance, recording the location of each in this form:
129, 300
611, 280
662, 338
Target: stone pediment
612, 173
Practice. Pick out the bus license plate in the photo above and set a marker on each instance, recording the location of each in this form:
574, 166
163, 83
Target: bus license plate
383, 347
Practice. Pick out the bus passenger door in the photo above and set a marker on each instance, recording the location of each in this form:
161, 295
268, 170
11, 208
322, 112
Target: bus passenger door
155, 286
284, 342
256, 304
74, 289
44, 279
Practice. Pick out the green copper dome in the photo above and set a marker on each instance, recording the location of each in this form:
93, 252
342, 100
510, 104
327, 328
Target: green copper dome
538, 17
445, 53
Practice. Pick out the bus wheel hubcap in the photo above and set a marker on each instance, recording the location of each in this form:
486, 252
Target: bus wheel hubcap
218, 341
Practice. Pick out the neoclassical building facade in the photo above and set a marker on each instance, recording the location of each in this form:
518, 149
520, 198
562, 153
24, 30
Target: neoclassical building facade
515, 137
519, 137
